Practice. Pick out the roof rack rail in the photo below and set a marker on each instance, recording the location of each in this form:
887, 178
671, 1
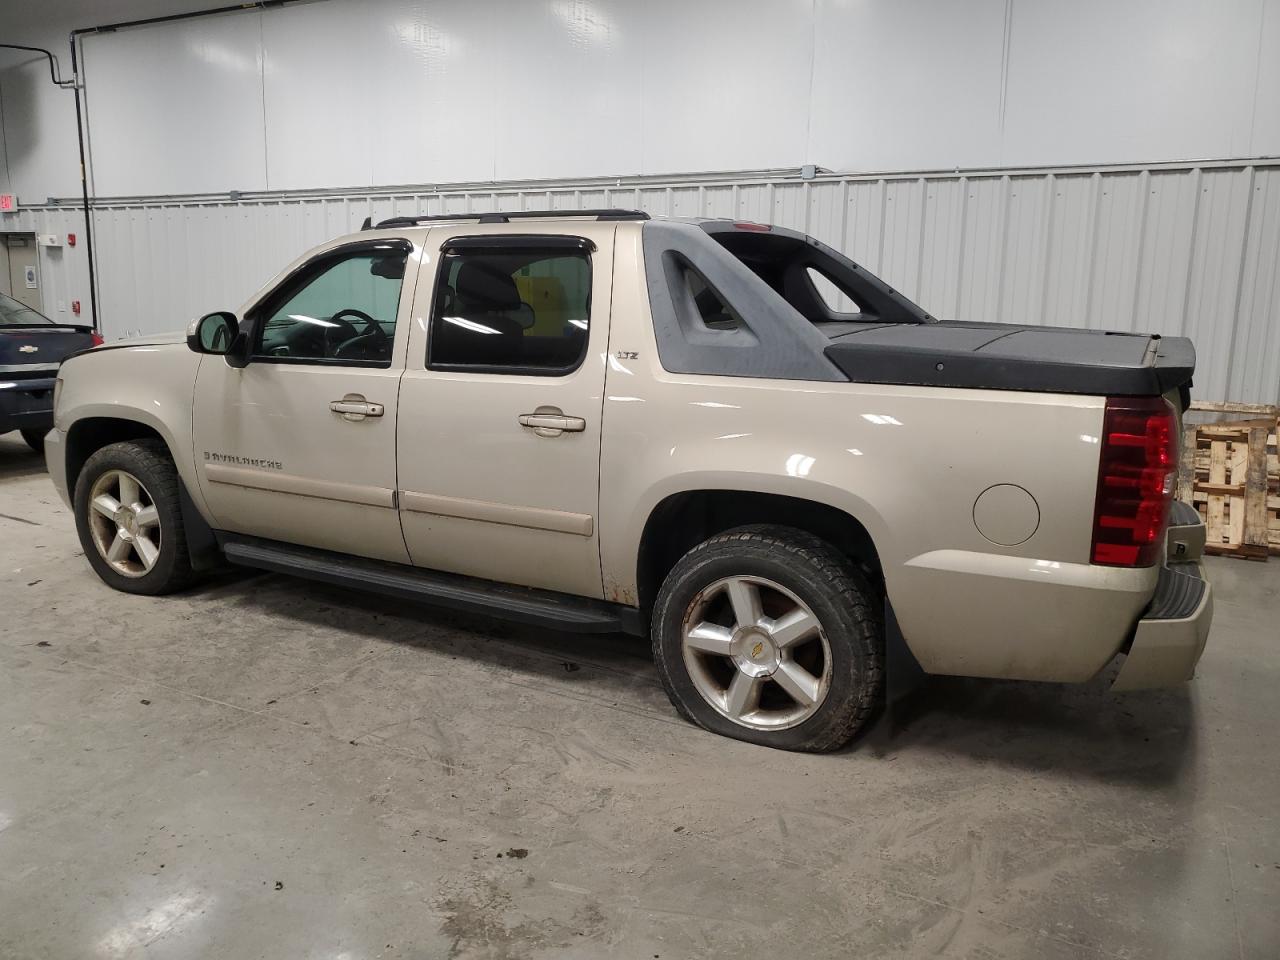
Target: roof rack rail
508, 216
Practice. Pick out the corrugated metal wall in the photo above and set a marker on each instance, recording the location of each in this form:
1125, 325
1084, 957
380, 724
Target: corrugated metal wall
1173, 249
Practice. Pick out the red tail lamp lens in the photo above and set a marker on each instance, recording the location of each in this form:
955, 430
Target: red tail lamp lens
97, 338
1135, 481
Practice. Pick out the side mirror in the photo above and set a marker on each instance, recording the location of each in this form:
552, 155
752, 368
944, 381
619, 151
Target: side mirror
213, 333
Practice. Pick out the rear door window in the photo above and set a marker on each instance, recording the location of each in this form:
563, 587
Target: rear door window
511, 310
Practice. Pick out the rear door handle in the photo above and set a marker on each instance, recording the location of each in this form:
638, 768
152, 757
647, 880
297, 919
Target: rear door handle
550, 422
354, 407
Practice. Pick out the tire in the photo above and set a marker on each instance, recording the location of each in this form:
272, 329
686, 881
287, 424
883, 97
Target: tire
35, 439
147, 462
759, 683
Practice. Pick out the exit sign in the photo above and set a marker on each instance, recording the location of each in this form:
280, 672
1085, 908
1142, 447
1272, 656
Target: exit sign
8, 203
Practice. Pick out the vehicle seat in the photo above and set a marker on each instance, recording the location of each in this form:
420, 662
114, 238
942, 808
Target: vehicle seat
484, 318
485, 294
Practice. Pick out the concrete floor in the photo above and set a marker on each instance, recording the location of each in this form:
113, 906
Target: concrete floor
262, 768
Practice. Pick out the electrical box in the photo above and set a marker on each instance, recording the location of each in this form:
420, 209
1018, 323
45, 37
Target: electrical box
48, 240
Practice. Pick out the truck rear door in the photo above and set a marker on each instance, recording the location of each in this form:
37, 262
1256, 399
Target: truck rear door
498, 440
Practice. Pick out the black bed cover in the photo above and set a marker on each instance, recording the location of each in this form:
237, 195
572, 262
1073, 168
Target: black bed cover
995, 356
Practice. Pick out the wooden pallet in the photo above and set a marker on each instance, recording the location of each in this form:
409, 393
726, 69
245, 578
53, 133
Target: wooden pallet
1230, 473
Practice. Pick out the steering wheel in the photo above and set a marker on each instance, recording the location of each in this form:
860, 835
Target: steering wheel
372, 334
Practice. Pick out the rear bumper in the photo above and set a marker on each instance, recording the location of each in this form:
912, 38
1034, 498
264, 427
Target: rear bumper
986, 615
1171, 635
26, 404
972, 614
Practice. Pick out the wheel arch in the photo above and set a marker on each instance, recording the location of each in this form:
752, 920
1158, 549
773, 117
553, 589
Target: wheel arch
682, 520
89, 434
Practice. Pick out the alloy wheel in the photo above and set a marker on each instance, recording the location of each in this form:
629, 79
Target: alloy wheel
756, 653
125, 523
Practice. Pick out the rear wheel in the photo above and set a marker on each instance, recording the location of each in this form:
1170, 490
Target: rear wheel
769, 635
35, 439
129, 518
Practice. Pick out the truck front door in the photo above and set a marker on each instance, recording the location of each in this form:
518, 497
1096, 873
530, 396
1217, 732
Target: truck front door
299, 445
499, 436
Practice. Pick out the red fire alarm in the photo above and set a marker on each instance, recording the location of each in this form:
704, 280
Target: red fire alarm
71, 239
75, 307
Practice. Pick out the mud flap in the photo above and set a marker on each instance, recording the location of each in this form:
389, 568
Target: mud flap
903, 673
201, 544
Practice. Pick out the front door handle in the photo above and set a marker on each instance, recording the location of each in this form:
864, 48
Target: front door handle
551, 422
354, 407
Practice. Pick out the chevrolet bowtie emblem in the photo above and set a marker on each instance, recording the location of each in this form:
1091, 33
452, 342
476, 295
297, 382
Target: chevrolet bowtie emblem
757, 650
28, 349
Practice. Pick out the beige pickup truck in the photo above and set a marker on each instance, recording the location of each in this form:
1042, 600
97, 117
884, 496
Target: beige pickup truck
726, 436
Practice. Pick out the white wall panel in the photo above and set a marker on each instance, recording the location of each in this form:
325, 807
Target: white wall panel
336, 94
1255, 351
1265, 129
906, 85
568, 89
1024, 239
983, 240
317, 115
1093, 81
1069, 250
1217, 255
941, 249
1168, 229
178, 109
1118, 218
724, 78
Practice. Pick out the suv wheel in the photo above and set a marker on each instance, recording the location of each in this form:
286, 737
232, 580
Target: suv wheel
769, 635
35, 439
129, 518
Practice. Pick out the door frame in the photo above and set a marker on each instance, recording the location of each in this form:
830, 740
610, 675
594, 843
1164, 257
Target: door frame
14, 290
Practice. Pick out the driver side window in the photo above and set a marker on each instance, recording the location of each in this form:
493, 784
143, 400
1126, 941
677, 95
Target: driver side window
338, 309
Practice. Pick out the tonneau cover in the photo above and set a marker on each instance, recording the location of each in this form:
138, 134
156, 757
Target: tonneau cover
993, 356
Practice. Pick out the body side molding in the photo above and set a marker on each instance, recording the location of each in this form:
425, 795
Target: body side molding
300, 486
558, 521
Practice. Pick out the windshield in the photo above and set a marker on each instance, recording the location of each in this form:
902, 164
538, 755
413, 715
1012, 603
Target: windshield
15, 314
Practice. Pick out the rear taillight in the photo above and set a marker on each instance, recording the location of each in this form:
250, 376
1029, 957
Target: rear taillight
1135, 481
97, 338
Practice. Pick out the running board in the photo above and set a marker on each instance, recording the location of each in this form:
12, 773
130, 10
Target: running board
559, 611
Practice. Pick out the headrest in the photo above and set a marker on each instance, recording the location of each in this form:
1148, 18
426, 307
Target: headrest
482, 287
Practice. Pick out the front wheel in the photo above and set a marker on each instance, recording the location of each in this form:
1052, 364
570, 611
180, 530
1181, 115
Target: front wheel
129, 518
769, 635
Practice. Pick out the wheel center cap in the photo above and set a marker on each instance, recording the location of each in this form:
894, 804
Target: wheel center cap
127, 522
754, 653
